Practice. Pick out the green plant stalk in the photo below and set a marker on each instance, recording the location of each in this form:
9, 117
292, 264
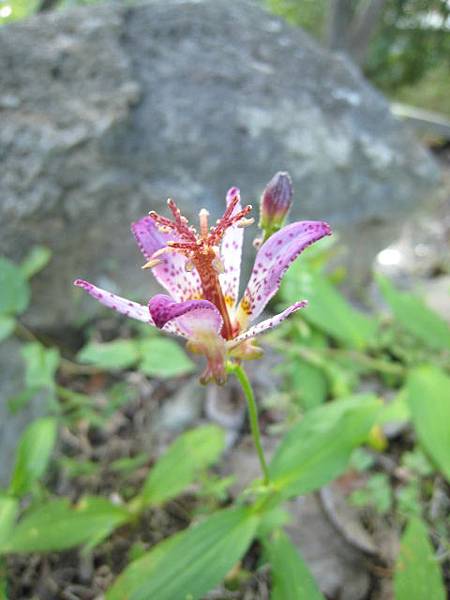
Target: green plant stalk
241, 376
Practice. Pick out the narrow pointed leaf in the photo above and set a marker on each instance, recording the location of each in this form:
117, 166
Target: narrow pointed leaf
291, 577
192, 563
36, 260
9, 507
14, 289
327, 309
186, 457
57, 525
415, 316
41, 365
317, 450
33, 455
7, 326
428, 397
119, 354
417, 572
164, 358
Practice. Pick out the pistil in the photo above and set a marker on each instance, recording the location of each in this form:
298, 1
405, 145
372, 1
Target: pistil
202, 249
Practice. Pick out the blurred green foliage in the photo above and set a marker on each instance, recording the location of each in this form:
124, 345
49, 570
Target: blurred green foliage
413, 39
409, 55
332, 351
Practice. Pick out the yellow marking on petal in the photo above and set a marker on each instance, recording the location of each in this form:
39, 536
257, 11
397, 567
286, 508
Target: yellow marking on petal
229, 300
218, 265
246, 306
188, 266
196, 296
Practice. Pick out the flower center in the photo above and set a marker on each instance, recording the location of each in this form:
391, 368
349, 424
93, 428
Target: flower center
202, 249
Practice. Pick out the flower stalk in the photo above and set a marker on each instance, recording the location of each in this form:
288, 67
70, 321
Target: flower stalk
244, 381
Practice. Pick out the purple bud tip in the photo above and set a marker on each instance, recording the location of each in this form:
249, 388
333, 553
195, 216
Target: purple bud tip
277, 197
276, 201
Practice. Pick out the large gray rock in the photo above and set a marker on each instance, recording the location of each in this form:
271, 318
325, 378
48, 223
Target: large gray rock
107, 111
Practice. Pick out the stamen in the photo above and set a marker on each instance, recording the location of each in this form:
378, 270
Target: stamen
245, 222
202, 249
161, 251
153, 262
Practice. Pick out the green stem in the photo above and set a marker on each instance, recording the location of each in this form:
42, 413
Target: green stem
241, 376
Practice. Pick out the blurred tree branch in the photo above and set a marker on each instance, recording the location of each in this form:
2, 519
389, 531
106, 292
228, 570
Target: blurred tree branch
350, 26
46, 5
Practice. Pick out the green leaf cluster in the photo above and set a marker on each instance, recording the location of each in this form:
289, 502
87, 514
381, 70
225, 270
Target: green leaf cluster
155, 356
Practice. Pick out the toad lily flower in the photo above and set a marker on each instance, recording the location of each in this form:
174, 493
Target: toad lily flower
200, 270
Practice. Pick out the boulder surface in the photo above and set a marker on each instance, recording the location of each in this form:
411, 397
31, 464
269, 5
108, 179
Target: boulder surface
108, 110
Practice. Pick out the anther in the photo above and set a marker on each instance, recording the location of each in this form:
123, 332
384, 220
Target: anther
245, 222
153, 262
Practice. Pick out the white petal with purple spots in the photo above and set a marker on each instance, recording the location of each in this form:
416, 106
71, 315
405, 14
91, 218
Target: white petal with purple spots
267, 324
171, 272
231, 253
117, 303
272, 261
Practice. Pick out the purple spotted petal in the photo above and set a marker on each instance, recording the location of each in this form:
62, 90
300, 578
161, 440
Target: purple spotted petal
121, 305
171, 272
190, 318
268, 323
272, 261
231, 254
200, 322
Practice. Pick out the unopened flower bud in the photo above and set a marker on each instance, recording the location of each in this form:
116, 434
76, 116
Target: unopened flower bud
276, 201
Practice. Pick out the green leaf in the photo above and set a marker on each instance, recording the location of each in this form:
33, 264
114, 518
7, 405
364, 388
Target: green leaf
36, 260
317, 449
56, 525
428, 396
14, 289
183, 461
191, 563
327, 309
9, 507
40, 365
164, 358
291, 578
119, 354
415, 316
7, 326
396, 411
21, 400
33, 455
310, 383
417, 573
